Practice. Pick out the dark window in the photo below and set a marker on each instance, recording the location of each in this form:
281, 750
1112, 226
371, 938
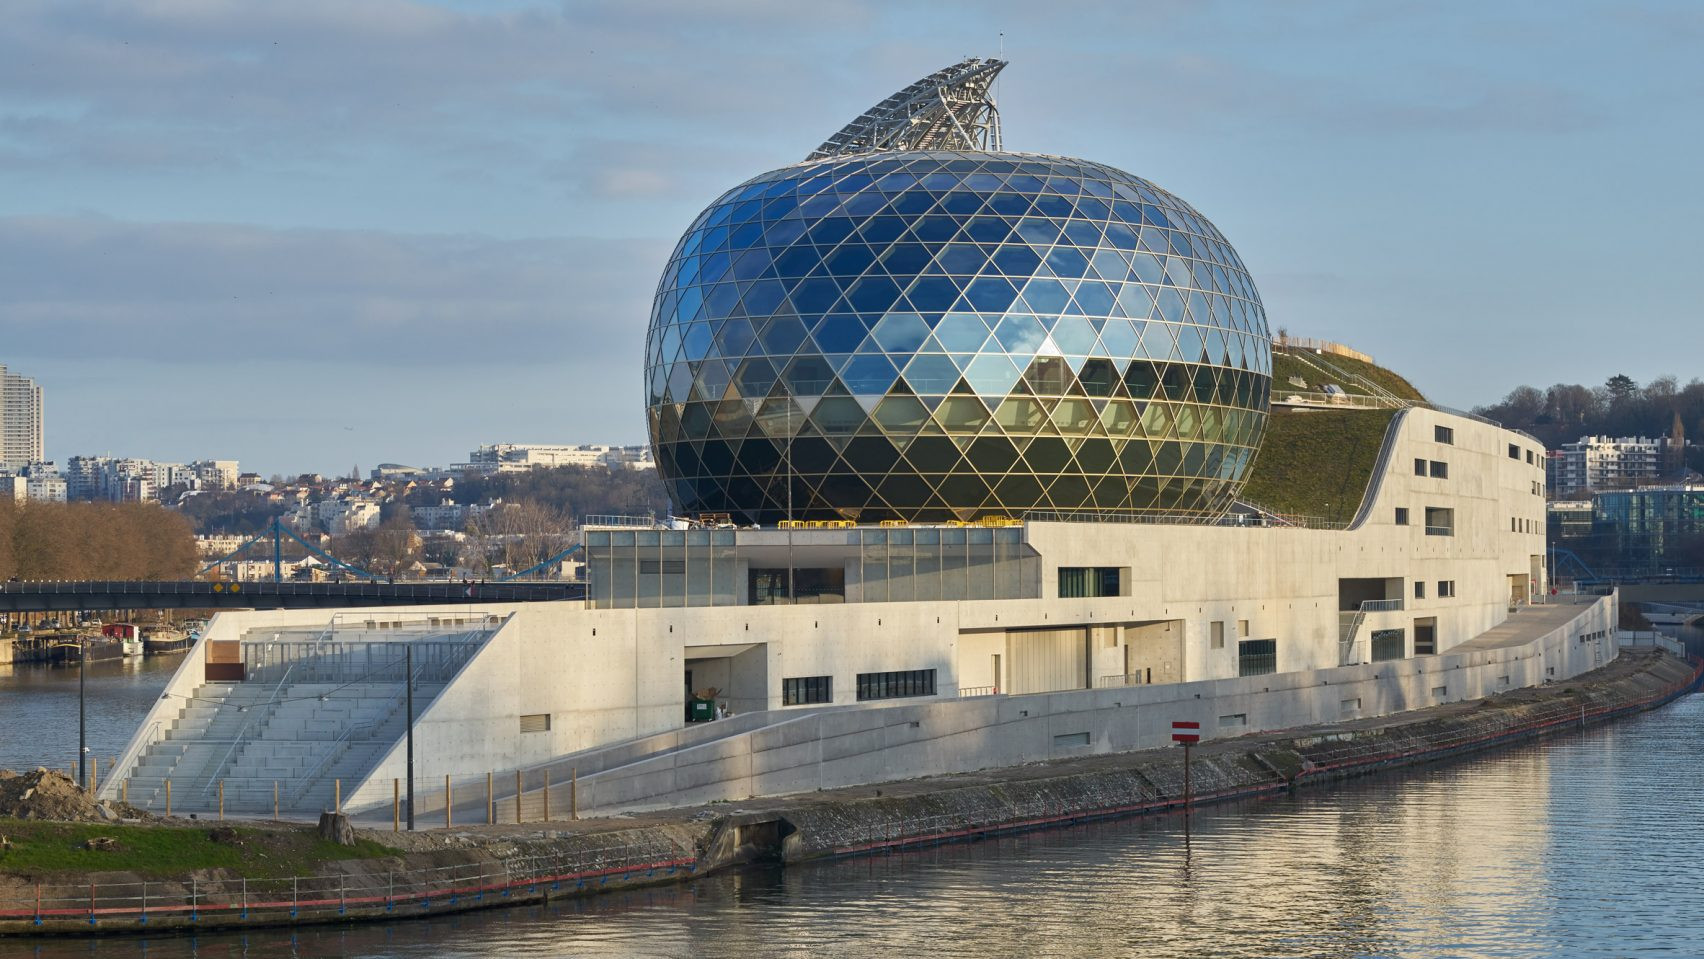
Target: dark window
1446, 588
807, 689
1443, 434
1080, 581
1419, 467
1389, 644
1440, 521
656, 567
910, 682
1514, 452
1530, 461
1425, 639
1257, 657
1402, 516
1440, 470
1419, 589
768, 587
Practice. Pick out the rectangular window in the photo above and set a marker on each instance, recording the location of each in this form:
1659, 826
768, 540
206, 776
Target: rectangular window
896, 685
1402, 516
1443, 434
1217, 631
535, 723
1419, 589
658, 567
807, 689
1514, 452
1419, 466
1242, 629
1440, 469
1257, 657
1440, 521
1530, 461
1389, 644
1446, 588
1076, 582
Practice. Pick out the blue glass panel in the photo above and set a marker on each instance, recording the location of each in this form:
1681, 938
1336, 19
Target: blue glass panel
715, 264
940, 182
906, 258
818, 206
1083, 233
735, 337
1110, 265
1170, 304
873, 294
1020, 333
961, 203
990, 294
1120, 236
1074, 335
900, 332
850, 259
696, 343
868, 374
828, 231
1119, 338
722, 299
1189, 343
1066, 261
755, 378
895, 182
988, 229
1038, 232
691, 299
1024, 183
963, 259
935, 229
911, 203
761, 298
1009, 204
1017, 259
797, 261
782, 336
879, 230
1095, 299
1054, 206
933, 294
1092, 208
815, 295
931, 373
961, 332
1046, 296
776, 209
839, 333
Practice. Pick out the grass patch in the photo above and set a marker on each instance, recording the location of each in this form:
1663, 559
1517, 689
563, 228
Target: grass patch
1285, 365
1317, 463
54, 848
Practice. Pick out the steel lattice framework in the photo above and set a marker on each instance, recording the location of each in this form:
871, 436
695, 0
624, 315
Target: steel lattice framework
950, 109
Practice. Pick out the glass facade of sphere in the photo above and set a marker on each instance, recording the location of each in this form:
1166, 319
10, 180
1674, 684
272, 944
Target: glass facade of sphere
929, 336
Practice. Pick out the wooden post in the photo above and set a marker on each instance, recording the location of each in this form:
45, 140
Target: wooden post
168, 798
396, 805
221, 799
573, 792
337, 796
448, 802
490, 798
124, 792
517, 795
94, 774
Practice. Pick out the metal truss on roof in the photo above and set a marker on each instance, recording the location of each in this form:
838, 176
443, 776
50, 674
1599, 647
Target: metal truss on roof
950, 109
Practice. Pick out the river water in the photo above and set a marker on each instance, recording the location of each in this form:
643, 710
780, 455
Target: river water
1585, 845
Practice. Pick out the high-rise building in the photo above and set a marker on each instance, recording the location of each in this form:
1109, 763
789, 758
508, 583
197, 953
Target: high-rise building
20, 421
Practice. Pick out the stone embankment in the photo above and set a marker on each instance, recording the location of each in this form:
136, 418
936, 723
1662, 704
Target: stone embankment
480, 867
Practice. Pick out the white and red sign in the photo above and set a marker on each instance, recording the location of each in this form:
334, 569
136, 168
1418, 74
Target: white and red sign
1183, 732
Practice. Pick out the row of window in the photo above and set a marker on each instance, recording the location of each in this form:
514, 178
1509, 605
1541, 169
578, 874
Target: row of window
1515, 452
1519, 525
804, 690
1437, 469
1446, 589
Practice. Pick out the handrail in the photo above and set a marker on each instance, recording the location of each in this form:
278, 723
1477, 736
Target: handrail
1120, 679
240, 730
307, 780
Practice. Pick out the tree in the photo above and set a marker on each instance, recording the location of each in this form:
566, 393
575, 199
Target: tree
1621, 387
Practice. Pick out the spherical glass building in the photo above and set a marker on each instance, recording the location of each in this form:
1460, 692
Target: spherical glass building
932, 334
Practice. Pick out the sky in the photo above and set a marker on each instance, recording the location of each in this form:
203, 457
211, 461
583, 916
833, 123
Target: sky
320, 234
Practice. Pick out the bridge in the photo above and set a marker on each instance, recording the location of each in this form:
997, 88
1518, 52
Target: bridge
39, 597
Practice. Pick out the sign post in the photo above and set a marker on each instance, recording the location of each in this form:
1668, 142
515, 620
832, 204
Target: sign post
1188, 734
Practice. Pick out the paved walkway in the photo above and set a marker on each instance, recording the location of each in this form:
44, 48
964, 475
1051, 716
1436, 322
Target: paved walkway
1529, 623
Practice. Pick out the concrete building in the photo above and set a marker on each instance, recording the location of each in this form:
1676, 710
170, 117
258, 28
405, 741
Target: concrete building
1607, 462
979, 510
22, 437
520, 457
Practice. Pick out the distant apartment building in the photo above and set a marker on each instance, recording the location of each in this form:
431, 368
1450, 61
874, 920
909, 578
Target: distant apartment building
129, 480
21, 435
1607, 462
45, 486
443, 516
520, 457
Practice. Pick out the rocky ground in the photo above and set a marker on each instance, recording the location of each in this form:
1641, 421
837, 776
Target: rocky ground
50, 795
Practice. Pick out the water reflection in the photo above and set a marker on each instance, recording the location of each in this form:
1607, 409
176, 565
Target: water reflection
1581, 846
38, 708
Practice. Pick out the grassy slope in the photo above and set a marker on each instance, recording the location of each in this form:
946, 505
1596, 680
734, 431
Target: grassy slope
1317, 463
52, 848
1285, 366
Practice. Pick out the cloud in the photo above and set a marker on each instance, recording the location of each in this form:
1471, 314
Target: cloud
104, 289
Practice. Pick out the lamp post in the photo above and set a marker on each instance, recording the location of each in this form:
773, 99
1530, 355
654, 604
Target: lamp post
82, 717
408, 681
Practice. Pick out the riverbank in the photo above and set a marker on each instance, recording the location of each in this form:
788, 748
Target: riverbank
478, 867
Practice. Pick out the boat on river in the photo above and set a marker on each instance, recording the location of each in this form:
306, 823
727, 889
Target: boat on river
159, 640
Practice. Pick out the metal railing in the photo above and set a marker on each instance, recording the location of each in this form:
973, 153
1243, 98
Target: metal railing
1380, 605
967, 692
1120, 679
1440, 531
1337, 400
